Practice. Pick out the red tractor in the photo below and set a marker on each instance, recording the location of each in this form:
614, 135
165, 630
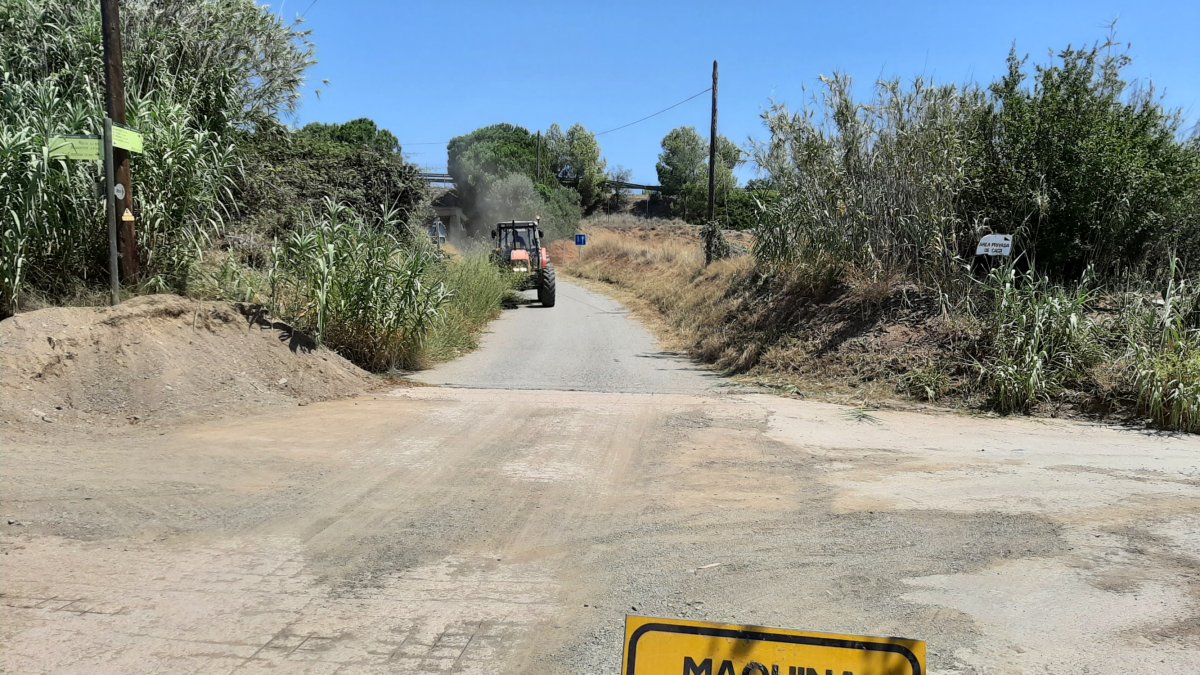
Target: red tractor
519, 251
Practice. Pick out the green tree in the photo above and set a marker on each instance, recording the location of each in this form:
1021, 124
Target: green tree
355, 164
577, 162
513, 197
574, 158
487, 165
682, 161
361, 132
619, 197
683, 172
556, 150
486, 155
1082, 170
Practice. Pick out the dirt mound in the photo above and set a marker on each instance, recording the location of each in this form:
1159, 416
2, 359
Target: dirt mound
159, 359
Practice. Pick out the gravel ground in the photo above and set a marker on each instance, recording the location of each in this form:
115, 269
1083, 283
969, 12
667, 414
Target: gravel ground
481, 529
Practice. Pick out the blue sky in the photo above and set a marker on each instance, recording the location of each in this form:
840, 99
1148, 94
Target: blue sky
429, 71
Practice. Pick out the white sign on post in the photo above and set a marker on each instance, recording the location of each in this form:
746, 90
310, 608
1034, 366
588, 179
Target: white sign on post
995, 244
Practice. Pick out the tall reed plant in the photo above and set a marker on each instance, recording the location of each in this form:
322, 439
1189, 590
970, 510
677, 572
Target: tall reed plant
363, 291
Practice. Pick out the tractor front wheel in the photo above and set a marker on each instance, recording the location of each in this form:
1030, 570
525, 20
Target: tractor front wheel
545, 289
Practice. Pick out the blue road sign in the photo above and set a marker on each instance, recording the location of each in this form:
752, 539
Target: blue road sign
581, 240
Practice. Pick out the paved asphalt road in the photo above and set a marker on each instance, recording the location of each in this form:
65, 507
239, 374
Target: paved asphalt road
478, 528
586, 342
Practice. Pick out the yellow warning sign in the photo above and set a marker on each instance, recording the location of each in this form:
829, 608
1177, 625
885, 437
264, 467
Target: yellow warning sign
654, 646
127, 216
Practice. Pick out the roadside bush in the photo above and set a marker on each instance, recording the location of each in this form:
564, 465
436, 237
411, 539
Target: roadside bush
358, 289
289, 174
1163, 343
477, 290
195, 72
927, 383
875, 184
1036, 338
1082, 170
1088, 174
1087, 169
742, 209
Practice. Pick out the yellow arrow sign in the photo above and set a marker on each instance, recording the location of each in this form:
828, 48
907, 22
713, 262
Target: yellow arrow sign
126, 138
75, 147
700, 648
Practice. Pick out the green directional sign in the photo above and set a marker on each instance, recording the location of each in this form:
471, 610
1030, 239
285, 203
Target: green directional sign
124, 137
75, 147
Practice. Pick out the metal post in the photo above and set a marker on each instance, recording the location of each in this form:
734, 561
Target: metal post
114, 82
712, 152
539, 156
110, 209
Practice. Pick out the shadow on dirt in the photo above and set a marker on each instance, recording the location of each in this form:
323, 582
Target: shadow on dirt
256, 315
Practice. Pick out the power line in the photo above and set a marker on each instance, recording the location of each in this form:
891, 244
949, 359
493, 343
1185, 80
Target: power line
674, 105
310, 6
623, 126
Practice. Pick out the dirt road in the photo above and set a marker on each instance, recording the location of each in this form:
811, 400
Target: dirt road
484, 530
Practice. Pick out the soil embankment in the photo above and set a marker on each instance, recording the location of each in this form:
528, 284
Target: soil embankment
158, 359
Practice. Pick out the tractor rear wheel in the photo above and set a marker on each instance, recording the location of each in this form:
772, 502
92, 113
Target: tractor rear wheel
545, 290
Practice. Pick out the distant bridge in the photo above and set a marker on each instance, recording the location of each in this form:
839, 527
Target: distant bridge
446, 180
438, 179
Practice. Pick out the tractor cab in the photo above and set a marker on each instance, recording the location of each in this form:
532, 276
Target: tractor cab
519, 243
517, 235
519, 251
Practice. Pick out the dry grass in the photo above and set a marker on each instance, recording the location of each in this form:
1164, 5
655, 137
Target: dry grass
802, 330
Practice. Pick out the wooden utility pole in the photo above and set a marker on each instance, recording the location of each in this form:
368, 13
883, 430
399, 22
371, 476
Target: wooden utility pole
712, 153
114, 84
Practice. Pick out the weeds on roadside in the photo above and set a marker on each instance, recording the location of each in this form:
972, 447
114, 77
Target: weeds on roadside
198, 74
927, 383
1037, 337
861, 415
358, 290
1163, 352
477, 291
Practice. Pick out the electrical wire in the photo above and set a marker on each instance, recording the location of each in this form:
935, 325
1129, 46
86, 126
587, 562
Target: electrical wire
609, 131
674, 105
310, 6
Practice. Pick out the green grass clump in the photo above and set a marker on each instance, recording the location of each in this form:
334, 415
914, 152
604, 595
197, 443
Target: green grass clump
378, 295
477, 290
1038, 338
360, 290
1164, 354
927, 383
1168, 386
